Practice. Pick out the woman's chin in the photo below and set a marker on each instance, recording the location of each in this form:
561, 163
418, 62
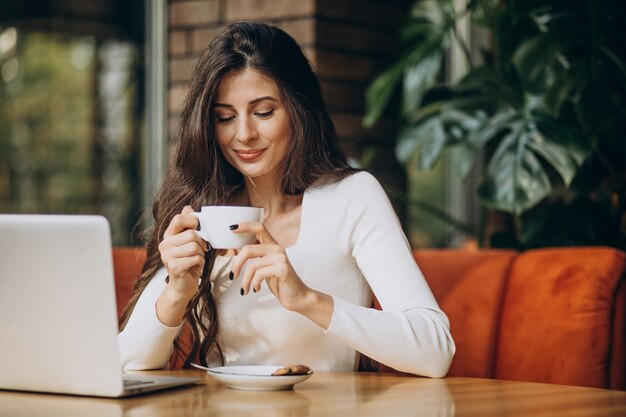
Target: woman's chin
251, 175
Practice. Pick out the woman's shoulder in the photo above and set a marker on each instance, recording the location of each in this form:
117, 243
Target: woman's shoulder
351, 194
346, 185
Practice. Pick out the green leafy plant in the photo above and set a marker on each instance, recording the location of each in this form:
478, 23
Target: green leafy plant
546, 108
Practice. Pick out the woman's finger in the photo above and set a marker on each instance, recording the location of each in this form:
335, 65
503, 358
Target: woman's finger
184, 250
177, 267
265, 274
182, 229
185, 237
254, 228
250, 272
250, 252
181, 221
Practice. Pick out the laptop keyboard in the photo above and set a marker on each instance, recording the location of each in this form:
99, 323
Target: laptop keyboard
133, 382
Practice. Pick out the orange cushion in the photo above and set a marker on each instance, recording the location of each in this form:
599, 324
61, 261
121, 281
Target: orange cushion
468, 285
127, 265
557, 316
618, 348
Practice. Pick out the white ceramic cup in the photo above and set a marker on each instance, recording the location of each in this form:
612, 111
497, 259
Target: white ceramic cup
215, 222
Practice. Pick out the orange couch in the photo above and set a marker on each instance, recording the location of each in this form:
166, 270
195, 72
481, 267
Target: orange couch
549, 315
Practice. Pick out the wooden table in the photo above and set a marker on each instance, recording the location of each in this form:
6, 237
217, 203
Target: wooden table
338, 394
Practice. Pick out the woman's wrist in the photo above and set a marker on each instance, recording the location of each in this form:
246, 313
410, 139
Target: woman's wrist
318, 307
171, 307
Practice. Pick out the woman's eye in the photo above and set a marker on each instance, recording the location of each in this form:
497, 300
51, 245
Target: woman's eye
225, 119
265, 115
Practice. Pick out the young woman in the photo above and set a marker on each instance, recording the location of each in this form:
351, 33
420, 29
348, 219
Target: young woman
255, 131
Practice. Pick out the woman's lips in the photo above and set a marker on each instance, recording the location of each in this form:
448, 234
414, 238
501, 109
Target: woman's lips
250, 154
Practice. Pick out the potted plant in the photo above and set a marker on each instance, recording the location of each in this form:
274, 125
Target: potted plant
546, 108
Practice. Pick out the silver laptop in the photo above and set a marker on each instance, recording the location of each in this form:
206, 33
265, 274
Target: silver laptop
58, 316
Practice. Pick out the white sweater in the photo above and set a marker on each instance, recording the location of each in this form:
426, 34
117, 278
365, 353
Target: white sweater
350, 245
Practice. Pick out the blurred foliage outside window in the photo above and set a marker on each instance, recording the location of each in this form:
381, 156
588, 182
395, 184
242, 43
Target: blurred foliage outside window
69, 126
426, 201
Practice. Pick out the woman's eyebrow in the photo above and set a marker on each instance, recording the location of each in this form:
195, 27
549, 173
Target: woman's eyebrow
255, 101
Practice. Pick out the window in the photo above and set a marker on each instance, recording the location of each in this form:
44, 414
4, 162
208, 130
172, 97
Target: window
442, 210
72, 110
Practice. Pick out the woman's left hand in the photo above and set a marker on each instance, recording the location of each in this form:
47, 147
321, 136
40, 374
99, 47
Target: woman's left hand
270, 264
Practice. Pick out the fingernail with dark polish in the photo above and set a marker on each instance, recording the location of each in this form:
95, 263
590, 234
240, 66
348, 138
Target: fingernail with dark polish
241, 291
254, 290
231, 276
233, 227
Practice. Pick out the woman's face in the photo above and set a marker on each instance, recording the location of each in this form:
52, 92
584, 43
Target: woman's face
251, 124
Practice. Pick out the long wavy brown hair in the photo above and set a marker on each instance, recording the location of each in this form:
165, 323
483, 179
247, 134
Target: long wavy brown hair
198, 173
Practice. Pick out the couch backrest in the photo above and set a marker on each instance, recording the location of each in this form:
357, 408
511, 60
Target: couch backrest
127, 265
469, 287
559, 318
547, 315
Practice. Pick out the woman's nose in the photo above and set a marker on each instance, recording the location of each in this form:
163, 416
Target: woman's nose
245, 130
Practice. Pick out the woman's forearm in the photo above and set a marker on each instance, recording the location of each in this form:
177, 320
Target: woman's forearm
171, 307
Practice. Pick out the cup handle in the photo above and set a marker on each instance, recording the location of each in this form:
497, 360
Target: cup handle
201, 231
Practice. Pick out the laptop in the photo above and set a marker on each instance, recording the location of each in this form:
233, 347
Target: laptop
58, 315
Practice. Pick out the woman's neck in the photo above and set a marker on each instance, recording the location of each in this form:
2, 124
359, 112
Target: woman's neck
267, 194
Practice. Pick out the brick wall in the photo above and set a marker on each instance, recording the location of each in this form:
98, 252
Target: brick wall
355, 41
348, 42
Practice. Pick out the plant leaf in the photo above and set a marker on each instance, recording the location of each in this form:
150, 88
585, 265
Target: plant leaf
515, 180
563, 87
380, 90
464, 155
436, 14
428, 138
533, 60
472, 102
466, 121
417, 78
578, 145
462, 158
557, 155
434, 142
409, 139
496, 123
427, 33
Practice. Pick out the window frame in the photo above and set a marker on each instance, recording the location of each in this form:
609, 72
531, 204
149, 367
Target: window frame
156, 137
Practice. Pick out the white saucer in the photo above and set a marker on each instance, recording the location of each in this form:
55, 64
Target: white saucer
255, 378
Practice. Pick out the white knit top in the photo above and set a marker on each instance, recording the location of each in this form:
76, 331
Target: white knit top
350, 245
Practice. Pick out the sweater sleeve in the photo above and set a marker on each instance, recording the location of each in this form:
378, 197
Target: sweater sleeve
146, 343
411, 333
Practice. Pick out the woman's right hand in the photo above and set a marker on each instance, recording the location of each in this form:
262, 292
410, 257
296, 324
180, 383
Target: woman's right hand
182, 253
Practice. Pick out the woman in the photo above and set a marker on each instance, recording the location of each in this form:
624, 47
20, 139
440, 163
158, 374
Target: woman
254, 131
